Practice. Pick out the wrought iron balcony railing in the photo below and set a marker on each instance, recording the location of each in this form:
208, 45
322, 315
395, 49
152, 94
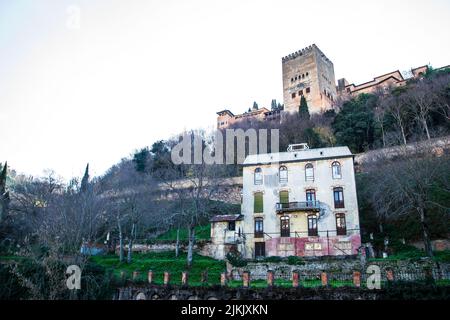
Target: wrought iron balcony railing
299, 206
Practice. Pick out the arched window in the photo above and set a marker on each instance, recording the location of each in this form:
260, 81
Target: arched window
341, 227
283, 174
336, 170
258, 176
309, 172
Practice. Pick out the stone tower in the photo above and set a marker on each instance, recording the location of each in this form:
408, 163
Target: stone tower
310, 73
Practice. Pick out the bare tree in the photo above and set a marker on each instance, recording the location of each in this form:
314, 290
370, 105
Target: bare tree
406, 186
421, 102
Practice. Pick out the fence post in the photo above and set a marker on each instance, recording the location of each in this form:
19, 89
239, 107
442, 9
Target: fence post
135, 275
270, 276
166, 278
324, 279
184, 278
357, 279
246, 279
150, 276
295, 278
223, 279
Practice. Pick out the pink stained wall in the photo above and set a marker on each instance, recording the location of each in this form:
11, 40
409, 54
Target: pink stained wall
296, 246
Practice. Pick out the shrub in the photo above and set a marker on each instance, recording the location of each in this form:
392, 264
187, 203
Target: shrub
236, 259
273, 259
294, 260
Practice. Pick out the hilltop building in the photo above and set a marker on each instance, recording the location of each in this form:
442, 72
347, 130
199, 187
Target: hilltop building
309, 73
296, 203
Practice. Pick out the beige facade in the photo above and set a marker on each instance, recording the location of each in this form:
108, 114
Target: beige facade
297, 203
308, 73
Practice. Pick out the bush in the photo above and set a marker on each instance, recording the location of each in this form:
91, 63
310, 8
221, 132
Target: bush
273, 259
236, 259
294, 260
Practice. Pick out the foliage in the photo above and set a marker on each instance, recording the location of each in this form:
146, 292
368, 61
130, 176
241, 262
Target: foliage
140, 159
354, 125
294, 260
201, 233
236, 259
273, 259
160, 262
303, 110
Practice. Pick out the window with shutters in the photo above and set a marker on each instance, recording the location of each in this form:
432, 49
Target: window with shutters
284, 199
258, 202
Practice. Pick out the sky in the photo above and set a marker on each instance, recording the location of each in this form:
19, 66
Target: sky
93, 80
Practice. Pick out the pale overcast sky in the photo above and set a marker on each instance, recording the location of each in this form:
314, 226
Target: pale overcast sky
135, 71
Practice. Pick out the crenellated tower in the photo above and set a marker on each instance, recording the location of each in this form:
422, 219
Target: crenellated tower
309, 73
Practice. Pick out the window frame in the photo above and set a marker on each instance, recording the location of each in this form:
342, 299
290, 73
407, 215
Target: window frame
313, 230
259, 232
342, 221
257, 177
336, 164
309, 166
260, 249
314, 198
285, 227
283, 169
258, 208
231, 224
340, 203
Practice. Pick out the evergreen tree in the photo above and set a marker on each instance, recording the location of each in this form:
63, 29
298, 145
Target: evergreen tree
303, 110
85, 181
140, 159
255, 105
273, 105
4, 194
354, 125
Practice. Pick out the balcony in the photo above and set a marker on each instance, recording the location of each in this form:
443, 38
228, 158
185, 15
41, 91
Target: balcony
298, 206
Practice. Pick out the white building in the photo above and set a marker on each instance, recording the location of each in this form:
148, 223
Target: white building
298, 203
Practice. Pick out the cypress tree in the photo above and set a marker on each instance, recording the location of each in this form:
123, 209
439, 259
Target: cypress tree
85, 180
303, 109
